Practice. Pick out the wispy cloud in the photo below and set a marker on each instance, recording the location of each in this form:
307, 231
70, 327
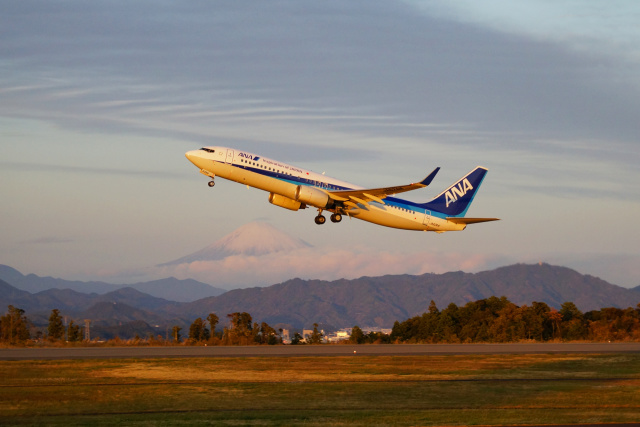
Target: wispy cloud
41, 167
47, 241
325, 264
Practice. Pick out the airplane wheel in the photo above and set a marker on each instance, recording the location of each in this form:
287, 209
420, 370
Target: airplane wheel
212, 183
336, 217
320, 219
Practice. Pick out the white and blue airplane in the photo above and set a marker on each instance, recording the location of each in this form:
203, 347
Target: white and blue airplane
295, 188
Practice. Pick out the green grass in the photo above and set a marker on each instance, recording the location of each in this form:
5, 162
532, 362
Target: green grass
381, 390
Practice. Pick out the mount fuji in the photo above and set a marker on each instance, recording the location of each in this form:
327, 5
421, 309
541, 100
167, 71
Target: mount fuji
253, 239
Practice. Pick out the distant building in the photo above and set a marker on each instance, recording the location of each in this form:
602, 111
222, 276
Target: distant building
340, 335
345, 333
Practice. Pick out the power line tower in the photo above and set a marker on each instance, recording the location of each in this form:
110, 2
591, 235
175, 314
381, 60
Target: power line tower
87, 332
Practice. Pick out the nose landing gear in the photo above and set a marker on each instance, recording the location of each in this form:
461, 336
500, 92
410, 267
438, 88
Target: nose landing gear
211, 183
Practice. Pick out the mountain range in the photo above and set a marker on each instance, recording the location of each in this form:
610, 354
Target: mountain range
367, 301
169, 288
379, 301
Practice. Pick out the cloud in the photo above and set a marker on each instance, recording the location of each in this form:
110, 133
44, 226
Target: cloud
48, 168
47, 241
325, 264
197, 68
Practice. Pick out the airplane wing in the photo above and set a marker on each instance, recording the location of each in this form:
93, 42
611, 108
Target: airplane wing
364, 196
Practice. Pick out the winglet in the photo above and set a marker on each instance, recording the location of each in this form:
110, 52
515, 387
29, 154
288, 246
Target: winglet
430, 177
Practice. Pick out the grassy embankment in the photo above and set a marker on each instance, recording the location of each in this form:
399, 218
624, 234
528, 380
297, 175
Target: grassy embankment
406, 390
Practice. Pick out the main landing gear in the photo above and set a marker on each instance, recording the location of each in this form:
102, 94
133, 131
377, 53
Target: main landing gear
320, 219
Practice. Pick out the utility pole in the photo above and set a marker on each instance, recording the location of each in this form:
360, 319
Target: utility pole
87, 333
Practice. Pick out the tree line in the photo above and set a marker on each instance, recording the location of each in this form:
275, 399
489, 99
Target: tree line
16, 328
241, 331
499, 320
487, 320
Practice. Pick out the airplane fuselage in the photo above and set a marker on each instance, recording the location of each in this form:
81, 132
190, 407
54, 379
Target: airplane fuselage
294, 188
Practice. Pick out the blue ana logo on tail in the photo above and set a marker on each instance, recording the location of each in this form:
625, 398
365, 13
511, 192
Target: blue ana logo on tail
455, 200
452, 195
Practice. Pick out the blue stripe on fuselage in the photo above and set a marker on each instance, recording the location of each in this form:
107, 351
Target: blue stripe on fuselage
290, 178
412, 206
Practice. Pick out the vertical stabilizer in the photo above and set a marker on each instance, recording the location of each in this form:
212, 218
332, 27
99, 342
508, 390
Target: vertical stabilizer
455, 200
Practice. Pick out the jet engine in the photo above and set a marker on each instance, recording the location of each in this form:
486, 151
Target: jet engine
312, 196
285, 202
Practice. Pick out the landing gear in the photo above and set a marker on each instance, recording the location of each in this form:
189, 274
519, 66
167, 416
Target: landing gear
335, 217
211, 183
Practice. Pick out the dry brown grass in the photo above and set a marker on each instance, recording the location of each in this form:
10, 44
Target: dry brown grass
379, 368
363, 390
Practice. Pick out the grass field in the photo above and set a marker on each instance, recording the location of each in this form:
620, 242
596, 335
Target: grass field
380, 390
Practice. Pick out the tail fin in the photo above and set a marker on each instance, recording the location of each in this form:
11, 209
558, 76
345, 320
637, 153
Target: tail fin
455, 200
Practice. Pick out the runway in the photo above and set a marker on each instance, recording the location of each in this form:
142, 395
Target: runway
310, 350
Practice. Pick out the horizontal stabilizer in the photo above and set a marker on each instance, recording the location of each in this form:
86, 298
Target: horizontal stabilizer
457, 220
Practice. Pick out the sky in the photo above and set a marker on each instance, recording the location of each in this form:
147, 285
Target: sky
99, 101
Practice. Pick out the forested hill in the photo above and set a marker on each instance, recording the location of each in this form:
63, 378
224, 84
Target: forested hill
382, 300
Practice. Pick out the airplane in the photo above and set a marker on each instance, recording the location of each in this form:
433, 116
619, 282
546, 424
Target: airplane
295, 188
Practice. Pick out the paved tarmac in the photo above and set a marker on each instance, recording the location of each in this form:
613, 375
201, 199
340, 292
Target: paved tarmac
311, 350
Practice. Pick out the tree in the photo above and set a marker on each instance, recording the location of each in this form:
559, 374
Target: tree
539, 327
198, 331
449, 324
569, 311
509, 325
176, 333
267, 334
556, 319
14, 326
357, 336
433, 309
73, 332
55, 330
316, 336
241, 330
297, 339
477, 317
573, 324
428, 329
213, 320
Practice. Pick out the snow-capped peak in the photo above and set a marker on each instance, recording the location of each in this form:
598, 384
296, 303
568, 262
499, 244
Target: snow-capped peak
253, 239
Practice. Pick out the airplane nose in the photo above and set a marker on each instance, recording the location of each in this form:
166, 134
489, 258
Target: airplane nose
191, 155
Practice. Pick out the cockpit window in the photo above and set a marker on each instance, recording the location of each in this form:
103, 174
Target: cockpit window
208, 150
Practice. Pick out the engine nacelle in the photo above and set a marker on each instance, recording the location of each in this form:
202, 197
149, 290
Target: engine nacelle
284, 202
312, 196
